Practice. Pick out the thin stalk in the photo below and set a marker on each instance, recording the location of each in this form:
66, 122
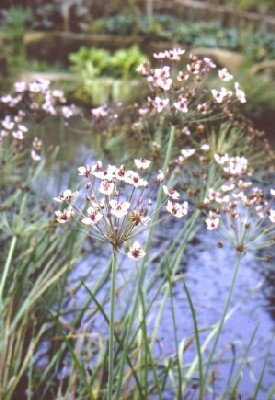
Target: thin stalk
119, 341
259, 383
197, 338
6, 269
178, 362
112, 327
221, 323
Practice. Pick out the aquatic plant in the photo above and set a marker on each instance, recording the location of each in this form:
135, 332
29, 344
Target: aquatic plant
110, 346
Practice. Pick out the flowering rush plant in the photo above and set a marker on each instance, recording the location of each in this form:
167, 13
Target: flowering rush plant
37, 97
245, 216
178, 90
118, 203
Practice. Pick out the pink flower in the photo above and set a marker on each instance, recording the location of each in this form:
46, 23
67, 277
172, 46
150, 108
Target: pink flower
182, 76
209, 63
181, 104
202, 108
160, 103
135, 251
160, 78
240, 93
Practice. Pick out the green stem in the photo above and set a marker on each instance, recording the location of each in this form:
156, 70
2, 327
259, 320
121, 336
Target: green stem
112, 327
221, 323
6, 269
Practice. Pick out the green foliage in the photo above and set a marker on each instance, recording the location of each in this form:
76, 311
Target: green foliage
103, 76
256, 45
94, 62
16, 20
34, 261
125, 62
252, 5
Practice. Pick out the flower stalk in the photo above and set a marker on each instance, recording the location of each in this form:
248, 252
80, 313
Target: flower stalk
112, 326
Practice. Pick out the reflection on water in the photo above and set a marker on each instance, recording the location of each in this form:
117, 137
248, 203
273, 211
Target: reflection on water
206, 268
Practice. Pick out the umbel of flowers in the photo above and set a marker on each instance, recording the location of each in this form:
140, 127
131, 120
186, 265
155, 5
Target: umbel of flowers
38, 98
178, 88
118, 204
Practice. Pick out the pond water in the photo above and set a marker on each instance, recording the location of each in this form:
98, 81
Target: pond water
207, 271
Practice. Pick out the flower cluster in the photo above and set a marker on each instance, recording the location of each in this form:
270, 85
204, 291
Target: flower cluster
247, 217
38, 98
118, 204
177, 92
12, 126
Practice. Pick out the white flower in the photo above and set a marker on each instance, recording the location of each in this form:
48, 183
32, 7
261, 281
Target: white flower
186, 131
187, 152
142, 163
67, 195
85, 171
272, 192
160, 177
227, 187
35, 157
64, 216
224, 75
176, 209
136, 252
221, 158
119, 209
205, 147
94, 216
133, 178
219, 95
107, 174
272, 215
171, 193
212, 221
106, 187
